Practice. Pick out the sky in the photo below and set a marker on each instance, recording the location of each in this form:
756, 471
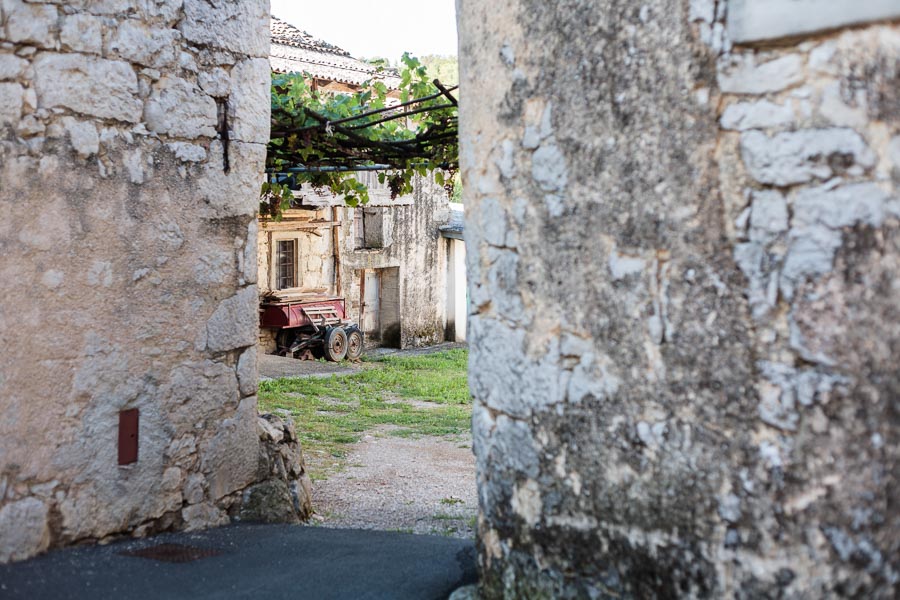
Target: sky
369, 28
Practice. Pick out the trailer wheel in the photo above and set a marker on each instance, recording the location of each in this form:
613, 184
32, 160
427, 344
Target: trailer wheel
335, 344
354, 343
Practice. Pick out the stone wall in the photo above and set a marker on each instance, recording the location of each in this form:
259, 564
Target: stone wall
683, 259
132, 141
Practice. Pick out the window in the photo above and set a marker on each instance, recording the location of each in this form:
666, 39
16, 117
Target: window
371, 228
285, 264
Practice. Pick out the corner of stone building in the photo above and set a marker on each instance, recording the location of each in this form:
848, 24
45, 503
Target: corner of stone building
128, 238
681, 253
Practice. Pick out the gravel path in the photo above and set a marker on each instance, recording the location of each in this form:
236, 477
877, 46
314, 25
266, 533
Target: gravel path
424, 485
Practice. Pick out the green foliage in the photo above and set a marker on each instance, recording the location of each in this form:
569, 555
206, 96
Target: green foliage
304, 134
333, 412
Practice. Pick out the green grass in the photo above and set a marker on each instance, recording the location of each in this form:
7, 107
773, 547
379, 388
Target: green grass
331, 413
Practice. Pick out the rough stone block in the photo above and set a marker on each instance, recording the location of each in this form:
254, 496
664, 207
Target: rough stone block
843, 206
83, 135
145, 45
768, 216
229, 459
247, 371
91, 86
24, 530
10, 103
241, 27
249, 101
11, 66
31, 23
234, 324
743, 76
82, 33
759, 20
802, 156
756, 115
176, 107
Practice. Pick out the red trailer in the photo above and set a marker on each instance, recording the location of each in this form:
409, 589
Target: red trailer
312, 326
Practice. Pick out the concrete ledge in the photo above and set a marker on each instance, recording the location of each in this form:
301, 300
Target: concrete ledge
761, 20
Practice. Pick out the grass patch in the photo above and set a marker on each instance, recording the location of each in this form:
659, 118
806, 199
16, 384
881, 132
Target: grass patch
331, 413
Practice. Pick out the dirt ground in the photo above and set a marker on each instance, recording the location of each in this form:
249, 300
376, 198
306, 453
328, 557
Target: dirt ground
423, 485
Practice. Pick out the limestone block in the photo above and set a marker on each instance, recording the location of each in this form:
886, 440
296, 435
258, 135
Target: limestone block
843, 206
177, 108
143, 44
756, 115
83, 135
31, 23
249, 102
234, 324
236, 192
242, 27
215, 82
24, 530
768, 216
247, 372
11, 66
203, 516
92, 86
758, 20
802, 156
188, 152
838, 112
10, 103
743, 76
230, 458
82, 33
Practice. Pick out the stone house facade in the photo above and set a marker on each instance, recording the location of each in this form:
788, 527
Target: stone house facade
684, 254
401, 277
128, 272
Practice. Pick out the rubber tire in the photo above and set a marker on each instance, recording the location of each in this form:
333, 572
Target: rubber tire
354, 343
335, 344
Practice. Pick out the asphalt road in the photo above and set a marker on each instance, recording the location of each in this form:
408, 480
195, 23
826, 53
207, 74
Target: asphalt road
253, 561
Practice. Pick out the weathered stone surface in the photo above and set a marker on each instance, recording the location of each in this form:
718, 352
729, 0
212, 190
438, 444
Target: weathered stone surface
247, 372
143, 44
691, 395
82, 33
743, 75
758, 20
24, 530
11, 66
229, 459
768, 216
30, 23
179, 109
233, 324
241, 27
113, 245
83, 136
247, 105
91, 86
802, 156
10, 103
268, 502
756, 115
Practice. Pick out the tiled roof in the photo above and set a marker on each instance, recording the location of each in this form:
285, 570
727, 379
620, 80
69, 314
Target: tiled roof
295, 51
